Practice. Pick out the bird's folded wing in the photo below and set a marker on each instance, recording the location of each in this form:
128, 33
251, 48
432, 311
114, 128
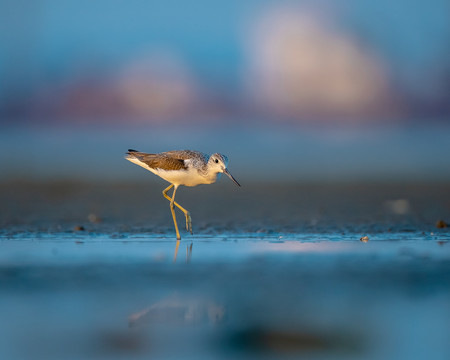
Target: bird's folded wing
160, 161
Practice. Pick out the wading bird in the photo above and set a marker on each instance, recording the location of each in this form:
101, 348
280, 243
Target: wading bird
183, 167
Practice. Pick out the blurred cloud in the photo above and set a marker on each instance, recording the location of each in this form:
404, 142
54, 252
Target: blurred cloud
157, 86
300, 64
155, 61
151, 87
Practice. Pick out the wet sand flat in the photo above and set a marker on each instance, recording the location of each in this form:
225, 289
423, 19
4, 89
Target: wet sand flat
268, 208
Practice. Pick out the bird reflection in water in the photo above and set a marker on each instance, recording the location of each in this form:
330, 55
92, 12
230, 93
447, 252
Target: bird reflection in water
188, 252
179, 310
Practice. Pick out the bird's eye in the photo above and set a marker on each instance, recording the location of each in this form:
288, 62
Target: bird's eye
217, 161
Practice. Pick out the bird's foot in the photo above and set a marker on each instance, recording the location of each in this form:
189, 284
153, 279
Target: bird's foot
188, 222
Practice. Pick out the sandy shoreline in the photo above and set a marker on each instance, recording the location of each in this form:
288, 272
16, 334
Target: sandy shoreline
264, 208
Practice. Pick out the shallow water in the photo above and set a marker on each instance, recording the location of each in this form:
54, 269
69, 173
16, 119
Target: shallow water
242, 296
272, 278
63, 249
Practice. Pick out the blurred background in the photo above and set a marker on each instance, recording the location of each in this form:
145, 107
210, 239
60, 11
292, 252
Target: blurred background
289, 90
335, 116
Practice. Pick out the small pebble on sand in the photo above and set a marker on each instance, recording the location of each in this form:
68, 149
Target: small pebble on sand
441, 224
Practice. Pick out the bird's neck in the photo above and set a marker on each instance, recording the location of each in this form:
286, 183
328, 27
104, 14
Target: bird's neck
211, 175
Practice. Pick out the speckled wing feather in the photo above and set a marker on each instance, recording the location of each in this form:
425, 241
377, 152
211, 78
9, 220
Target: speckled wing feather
162, 161
186, 154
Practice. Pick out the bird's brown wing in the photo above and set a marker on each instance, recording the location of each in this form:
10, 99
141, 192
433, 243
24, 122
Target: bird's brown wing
164, 161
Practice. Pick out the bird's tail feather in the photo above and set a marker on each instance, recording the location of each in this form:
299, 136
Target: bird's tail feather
131, 154
134, 154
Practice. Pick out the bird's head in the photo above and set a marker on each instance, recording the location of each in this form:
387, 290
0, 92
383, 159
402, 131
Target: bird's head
218, 163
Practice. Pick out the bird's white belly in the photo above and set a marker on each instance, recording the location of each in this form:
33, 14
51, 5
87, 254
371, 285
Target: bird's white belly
189, 177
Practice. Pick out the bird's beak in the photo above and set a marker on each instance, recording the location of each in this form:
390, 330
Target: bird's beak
231, 176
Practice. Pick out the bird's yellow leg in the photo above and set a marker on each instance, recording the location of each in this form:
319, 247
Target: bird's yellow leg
186, 213
176, 251
166, 190
173, 214
172, 210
